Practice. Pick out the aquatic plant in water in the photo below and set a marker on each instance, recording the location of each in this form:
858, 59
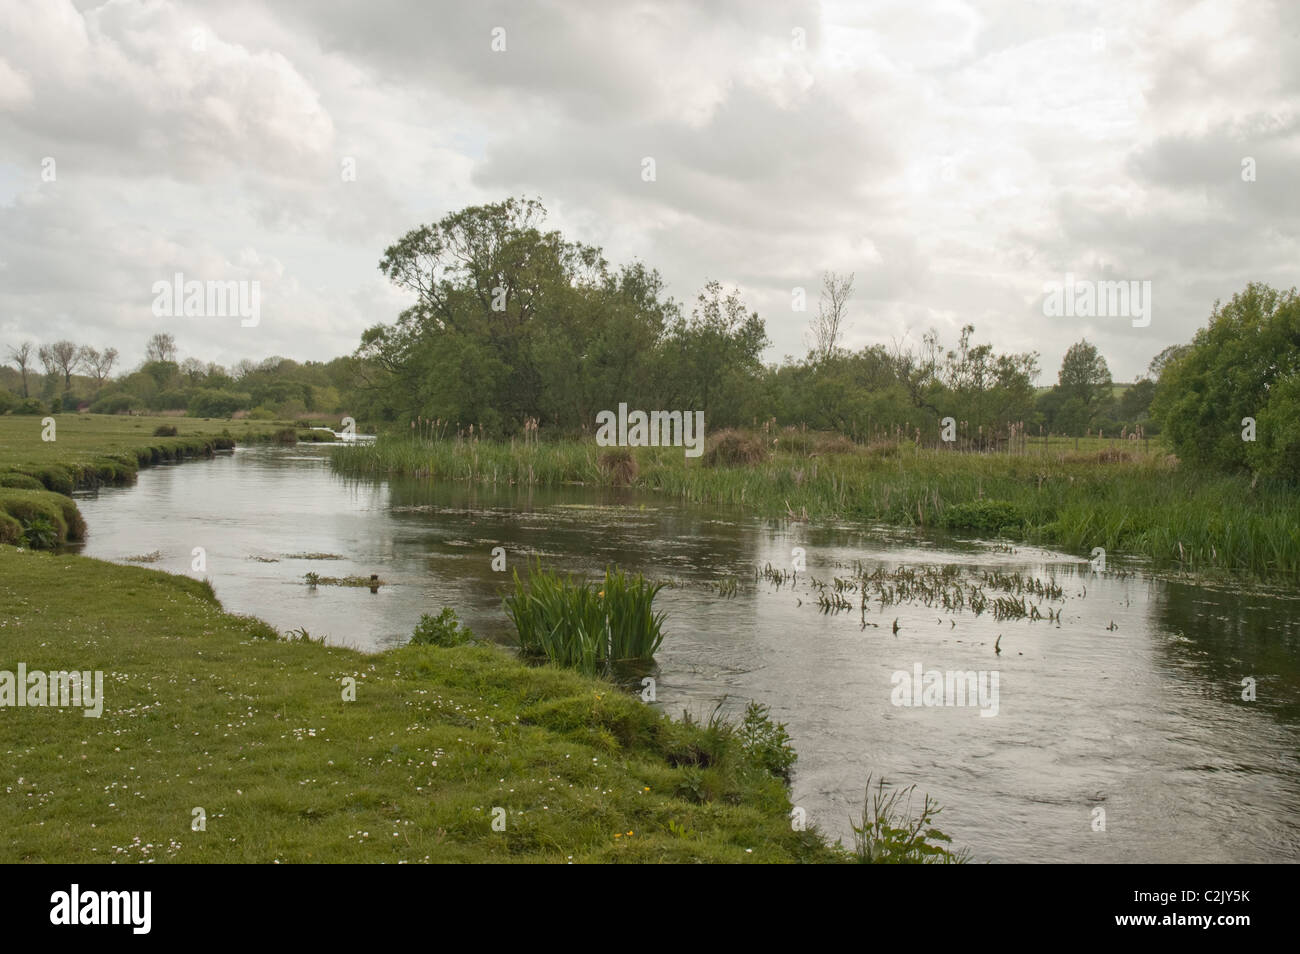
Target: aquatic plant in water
585, 625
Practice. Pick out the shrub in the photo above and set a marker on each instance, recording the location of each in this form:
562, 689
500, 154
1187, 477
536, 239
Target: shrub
7, 400
164, 430
735, 448
445, 629
29, 406
117, 404
285, 435
209, 402
1236, 367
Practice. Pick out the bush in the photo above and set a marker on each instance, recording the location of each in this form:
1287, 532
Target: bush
164, 430
1276, 451
119, 403
735, 448
445, 629
29, 406
1240, 365
7, 400
208, 402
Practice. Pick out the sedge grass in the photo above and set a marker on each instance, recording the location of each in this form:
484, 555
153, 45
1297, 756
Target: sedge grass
584, 625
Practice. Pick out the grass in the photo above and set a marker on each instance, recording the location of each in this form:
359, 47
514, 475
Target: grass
40, 519
585, 625
93, 449
1106, 494
204, 711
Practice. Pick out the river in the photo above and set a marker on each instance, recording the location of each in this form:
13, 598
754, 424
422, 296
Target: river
1120, 735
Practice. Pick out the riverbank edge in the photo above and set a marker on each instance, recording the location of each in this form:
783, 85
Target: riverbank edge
704, 801
206, 709
33, 489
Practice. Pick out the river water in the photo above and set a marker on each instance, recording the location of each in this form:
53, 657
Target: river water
1120, 732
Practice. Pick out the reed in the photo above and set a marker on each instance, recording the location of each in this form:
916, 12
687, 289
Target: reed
584, 625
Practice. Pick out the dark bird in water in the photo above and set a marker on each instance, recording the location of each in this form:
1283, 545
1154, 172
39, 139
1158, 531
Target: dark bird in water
997, 645
895, 626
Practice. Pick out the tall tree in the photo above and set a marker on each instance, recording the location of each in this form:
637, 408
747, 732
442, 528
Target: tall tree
62, 357
21, 356
161, 347
100, 362
828, 326
1084, 375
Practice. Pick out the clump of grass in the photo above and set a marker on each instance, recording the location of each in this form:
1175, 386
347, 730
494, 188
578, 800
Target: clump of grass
165, 430
619, 466
39, 533
583, 625
312, 556
889, 834
735, 448
285, 435
445, 629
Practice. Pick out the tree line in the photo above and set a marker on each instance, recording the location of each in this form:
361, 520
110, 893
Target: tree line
514, 328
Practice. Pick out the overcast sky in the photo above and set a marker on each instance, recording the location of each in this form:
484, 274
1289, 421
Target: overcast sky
955, 156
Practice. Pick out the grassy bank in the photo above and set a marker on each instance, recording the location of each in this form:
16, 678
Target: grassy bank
91, 449
1121, 499
203, 711
37, 474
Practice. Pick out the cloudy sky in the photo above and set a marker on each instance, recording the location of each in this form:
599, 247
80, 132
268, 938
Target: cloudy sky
955, 156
